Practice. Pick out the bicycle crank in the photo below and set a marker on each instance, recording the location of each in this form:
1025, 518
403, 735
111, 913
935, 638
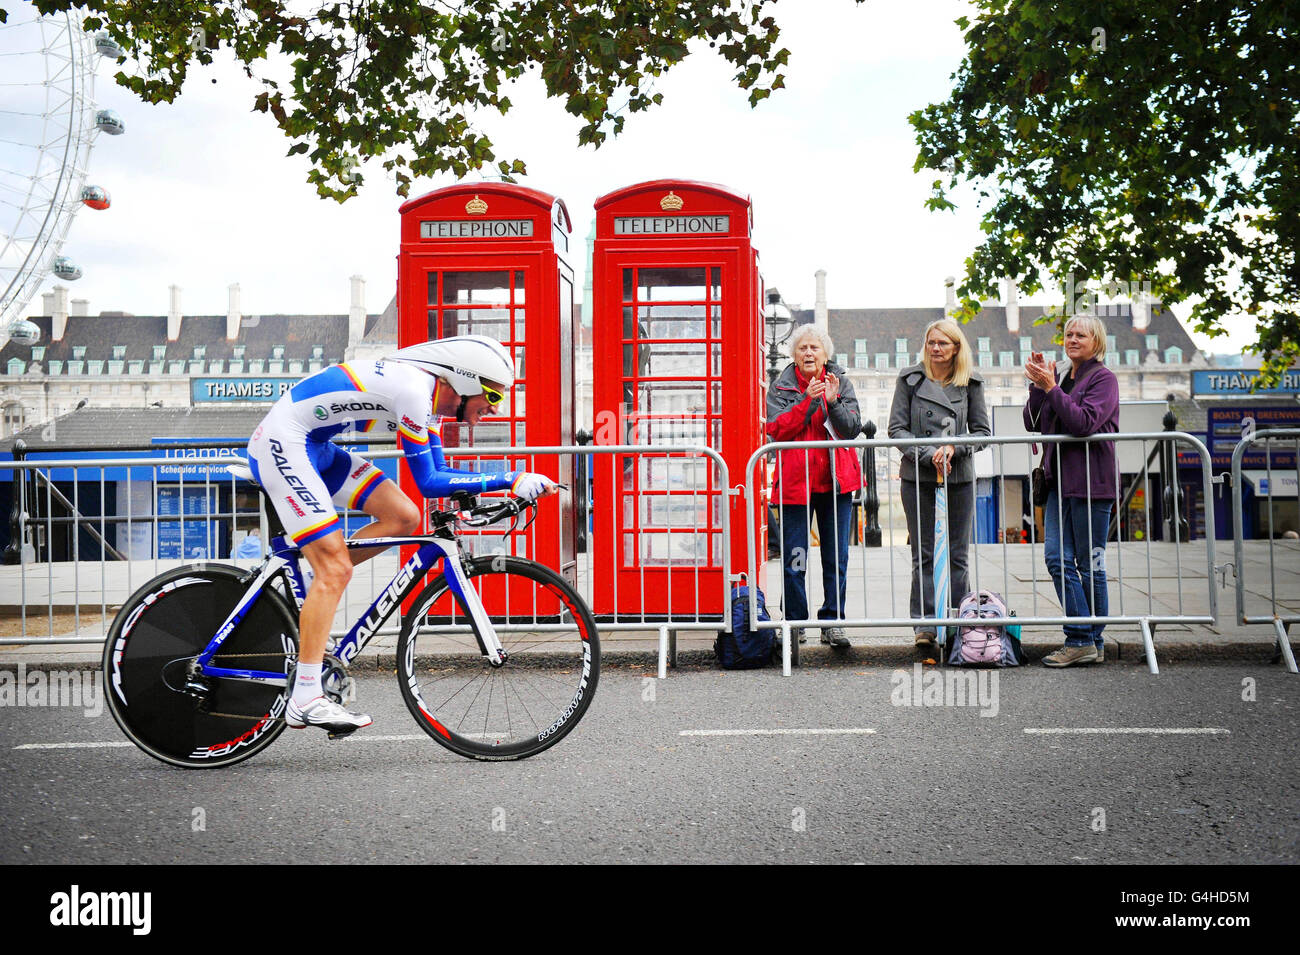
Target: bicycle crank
336, 683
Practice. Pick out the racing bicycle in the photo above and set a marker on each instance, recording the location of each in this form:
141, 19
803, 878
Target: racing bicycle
498, 656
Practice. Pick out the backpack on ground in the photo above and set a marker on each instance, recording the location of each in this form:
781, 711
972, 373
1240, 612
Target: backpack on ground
980, 644
743, 648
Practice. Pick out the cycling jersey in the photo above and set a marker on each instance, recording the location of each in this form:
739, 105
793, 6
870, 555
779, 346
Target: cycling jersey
293, 458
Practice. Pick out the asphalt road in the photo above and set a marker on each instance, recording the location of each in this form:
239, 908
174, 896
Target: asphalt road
881, 781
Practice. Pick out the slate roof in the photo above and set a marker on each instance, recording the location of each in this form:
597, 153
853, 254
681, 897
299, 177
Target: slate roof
106, 429
383, 327
299, 334
881, 326
1191, 415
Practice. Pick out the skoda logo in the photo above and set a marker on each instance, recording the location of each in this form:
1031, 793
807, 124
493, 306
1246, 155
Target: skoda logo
320, 413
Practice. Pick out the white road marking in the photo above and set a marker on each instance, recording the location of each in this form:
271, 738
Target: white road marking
117, 745
854, 730
825, 731
1129, 730
73, 745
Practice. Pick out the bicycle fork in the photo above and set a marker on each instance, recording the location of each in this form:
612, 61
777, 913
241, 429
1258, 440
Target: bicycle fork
454, 574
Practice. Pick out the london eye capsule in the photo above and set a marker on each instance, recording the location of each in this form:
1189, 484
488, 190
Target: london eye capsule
66, 268
23, 332
96, 197
109, 122
105, 45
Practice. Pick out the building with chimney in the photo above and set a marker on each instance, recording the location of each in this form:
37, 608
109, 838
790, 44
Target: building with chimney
1147, 347
120, 360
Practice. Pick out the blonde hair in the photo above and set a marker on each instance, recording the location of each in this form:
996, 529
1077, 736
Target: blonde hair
805, 331
961, 363
1096, 328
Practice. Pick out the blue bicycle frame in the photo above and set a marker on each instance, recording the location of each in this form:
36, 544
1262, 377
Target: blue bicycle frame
284, 557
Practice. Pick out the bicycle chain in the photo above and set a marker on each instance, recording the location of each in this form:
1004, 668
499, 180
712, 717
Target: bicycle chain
239, 656
244, 716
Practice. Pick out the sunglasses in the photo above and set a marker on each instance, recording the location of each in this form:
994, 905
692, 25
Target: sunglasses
493, 396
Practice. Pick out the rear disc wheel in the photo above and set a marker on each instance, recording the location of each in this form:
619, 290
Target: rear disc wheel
148, 655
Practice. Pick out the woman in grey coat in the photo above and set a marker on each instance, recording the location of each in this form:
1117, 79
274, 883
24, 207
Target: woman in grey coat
943, 395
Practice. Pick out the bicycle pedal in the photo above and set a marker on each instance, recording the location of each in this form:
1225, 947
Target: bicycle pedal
340, 734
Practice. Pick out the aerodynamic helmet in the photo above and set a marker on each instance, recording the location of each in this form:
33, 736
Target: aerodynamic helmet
464, 361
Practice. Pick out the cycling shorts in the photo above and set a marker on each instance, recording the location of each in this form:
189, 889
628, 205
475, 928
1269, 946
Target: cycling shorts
306, 478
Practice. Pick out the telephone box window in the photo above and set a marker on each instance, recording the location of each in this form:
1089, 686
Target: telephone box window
476, 288
671, 356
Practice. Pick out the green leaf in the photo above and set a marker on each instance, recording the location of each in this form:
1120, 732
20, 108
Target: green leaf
396, 79
1170, 153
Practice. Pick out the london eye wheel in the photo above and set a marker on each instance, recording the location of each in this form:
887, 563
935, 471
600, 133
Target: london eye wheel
48, 122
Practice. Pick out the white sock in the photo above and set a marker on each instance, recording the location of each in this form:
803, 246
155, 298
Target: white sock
306, 687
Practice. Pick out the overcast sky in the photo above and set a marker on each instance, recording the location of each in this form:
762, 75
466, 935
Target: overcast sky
203, 194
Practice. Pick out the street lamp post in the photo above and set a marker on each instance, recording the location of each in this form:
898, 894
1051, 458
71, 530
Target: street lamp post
778, 331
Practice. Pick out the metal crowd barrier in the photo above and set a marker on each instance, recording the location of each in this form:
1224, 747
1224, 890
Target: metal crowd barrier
1013, 568
108, 582
684, 571
1277, 616
895, 563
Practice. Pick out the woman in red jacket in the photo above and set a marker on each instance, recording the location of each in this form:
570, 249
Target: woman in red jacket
813, 400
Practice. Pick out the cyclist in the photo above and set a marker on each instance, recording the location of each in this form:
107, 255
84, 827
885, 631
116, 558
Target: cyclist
410, 392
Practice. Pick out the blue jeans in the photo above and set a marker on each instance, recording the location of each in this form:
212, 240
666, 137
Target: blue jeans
834, 511
1074, 544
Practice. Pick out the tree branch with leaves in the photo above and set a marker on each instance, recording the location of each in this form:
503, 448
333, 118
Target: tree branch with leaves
1115, 139
401, 81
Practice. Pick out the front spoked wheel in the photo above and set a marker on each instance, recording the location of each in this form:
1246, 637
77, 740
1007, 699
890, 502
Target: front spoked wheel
523, 706
147, 668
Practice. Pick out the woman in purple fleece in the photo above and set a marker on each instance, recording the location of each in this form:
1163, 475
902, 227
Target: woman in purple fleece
1082, 477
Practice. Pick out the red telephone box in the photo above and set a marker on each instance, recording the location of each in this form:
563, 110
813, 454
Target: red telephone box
677, 329
490, 259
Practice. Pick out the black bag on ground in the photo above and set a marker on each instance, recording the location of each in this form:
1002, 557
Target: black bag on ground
743, 648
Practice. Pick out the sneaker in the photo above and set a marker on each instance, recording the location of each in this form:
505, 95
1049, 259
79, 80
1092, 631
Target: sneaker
1101, 654
1069, 656
925, 638
325, 713
835, 637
